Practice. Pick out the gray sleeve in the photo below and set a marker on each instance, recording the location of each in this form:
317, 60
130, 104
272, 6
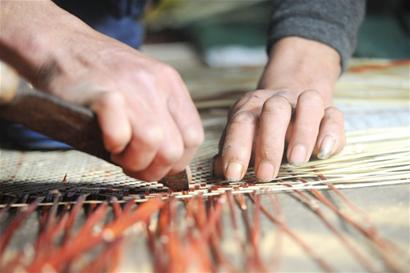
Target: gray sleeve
332, 22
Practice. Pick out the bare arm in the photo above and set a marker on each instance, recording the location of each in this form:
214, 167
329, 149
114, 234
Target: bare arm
292, 106
291, 114
149, 122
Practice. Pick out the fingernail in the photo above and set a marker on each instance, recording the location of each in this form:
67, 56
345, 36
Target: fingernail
298, 155
326, 147
265, 172
234, 171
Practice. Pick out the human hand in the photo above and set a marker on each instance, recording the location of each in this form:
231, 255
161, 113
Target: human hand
291, 108
148, 120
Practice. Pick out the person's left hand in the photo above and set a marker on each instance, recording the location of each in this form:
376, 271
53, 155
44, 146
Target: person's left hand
293, 106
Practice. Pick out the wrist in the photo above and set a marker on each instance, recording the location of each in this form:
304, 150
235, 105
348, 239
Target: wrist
298, 64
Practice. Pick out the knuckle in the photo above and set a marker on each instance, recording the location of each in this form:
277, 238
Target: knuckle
143, 76
243, 117
171, 154
247, 95
255, 96
193, 138
152, 136
168, 72
108, 100
333, 111
114, 143
276, 104
334, 115
113, 97
248, 99
311, 97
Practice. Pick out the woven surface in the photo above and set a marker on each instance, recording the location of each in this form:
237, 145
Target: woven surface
355, 229
26, 175
372, 98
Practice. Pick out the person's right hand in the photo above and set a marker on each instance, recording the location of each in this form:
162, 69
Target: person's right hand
149, 122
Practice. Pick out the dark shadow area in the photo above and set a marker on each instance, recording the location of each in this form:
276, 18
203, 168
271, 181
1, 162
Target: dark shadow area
28, 191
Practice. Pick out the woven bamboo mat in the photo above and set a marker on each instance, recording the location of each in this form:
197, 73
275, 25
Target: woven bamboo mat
69, 212
27, 175
372, 94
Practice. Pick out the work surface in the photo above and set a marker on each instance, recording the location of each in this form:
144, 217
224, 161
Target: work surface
350, 213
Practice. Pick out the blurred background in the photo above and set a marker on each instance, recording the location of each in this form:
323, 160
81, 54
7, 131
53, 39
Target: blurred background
219, 47
230, 33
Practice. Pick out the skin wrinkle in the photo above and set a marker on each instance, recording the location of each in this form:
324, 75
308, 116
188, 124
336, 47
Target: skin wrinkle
249, 99
146, 86
301, 88
46, 73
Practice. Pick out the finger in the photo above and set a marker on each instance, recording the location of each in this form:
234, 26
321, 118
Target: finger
113, 120
331, 137
169, 152
147, 136
189, 125
237, 145
309, 113
273, 124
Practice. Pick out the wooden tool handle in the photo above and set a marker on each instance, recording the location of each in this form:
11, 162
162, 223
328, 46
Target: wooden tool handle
66, 122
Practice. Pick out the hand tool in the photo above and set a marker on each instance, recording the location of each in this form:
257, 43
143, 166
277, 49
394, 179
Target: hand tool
67, 122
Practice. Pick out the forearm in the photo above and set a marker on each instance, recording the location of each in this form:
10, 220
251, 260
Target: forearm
137, 100
32, 38
298, 64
